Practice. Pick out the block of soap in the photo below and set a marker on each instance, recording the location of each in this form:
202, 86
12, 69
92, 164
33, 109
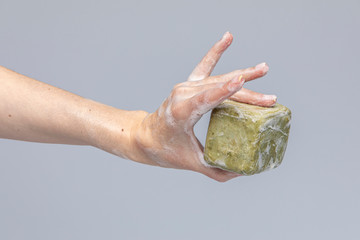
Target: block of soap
247, 139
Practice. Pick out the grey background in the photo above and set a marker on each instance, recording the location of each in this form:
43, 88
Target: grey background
129, 54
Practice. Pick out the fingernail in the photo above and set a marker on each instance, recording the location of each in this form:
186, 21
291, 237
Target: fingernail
236, 83
271, 98
263, 66
239, 79
226, 33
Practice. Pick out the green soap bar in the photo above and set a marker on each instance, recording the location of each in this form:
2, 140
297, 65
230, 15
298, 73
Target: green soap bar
247, 139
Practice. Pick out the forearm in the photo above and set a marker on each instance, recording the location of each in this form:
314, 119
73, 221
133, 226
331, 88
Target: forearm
34, 111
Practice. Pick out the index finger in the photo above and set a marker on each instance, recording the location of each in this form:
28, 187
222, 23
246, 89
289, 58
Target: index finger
207, 64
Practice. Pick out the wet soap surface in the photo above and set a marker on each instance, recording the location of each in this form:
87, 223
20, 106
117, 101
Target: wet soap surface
247, 139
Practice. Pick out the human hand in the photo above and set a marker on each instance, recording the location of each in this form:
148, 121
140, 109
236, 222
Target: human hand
166, 137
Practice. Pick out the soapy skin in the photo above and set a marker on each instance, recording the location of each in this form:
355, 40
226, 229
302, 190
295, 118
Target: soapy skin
35, 111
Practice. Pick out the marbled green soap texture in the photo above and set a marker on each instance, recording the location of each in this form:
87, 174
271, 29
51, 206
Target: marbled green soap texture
247, 139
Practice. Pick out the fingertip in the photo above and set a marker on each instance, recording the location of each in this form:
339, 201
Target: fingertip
242, 79
234, 174
274, 100
236, 83
264, 67
223, 176
227, 37
270, 100
226, 34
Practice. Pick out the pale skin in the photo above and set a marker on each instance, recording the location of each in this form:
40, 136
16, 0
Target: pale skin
35, 111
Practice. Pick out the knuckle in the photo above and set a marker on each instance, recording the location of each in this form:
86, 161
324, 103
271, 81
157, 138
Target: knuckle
181, 85
177, 90
174, 95
177, 85
177, 112
209, 60
174, 109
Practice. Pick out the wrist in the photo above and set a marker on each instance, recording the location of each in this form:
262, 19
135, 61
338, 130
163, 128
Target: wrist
113, 130
139, 134
143, 141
